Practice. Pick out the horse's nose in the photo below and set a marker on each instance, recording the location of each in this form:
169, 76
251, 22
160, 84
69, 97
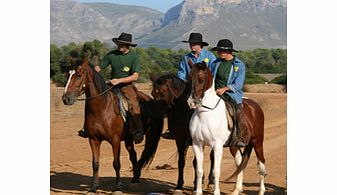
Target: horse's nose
67, 100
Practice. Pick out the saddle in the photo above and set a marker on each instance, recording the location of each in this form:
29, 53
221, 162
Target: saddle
123, 104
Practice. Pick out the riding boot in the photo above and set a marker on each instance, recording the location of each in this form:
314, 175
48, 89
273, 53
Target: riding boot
238, 141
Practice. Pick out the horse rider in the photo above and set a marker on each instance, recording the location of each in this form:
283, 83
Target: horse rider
229, 73
197, 54
125, 69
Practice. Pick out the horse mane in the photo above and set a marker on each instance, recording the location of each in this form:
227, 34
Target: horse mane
98, 81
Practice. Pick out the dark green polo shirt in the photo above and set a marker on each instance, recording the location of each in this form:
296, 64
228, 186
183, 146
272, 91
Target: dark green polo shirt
223, 74
122, 65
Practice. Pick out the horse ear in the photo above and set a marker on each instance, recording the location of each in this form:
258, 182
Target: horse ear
174, 91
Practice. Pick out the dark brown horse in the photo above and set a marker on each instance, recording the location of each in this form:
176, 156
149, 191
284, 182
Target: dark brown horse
104, 122
175, 92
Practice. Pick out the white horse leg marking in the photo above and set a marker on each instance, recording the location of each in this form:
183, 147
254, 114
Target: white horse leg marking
218, 150
262, 173
71, 73
199, 155
239, 178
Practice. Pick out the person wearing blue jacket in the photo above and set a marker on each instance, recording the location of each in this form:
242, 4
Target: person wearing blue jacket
197, 54
229, 76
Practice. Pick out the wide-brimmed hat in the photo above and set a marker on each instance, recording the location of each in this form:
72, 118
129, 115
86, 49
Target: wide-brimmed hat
224, 44
124, 38
196, 38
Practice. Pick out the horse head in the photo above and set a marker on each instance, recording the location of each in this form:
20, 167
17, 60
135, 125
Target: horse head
201, 79
77, 81
167, 88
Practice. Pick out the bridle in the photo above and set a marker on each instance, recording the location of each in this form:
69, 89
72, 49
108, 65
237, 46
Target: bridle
199, 101
83, 91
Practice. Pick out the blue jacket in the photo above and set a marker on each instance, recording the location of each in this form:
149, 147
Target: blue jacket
184, 68
235, 80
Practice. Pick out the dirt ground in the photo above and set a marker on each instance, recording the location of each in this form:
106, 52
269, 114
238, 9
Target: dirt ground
70, 155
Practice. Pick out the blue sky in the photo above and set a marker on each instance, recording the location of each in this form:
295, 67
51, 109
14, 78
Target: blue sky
160, 5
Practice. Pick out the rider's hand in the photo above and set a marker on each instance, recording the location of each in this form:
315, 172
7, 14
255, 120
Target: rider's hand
222, 90
115, 81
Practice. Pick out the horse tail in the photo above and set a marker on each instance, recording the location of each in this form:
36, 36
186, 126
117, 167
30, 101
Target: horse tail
152, 140
245, 157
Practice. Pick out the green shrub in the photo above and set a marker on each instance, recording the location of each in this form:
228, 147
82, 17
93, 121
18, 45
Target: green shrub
281, 80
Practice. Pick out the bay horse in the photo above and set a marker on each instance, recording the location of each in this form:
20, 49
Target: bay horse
104, 122
208, 126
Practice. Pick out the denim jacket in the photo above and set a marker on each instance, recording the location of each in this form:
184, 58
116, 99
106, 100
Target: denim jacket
184, 68
235, 80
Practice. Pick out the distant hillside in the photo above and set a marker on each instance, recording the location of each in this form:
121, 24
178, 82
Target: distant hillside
72, 21
248, 23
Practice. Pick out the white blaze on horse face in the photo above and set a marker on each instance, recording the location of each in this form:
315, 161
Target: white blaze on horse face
71, 73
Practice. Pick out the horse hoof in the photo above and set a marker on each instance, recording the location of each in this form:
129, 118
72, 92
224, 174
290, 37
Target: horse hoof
93, 189
178, 192
117, 193
196, 193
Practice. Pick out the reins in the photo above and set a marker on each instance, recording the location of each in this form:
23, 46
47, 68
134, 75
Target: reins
89, 98
216, 105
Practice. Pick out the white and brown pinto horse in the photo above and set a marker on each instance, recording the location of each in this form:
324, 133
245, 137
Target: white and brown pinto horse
208, 126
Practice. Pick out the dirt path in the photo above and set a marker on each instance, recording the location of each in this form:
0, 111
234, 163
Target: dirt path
70, 155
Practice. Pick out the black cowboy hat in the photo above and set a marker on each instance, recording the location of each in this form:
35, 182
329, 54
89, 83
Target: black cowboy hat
224, 44
196, 38
124, 38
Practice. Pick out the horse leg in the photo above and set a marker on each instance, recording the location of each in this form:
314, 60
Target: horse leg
261, 165
239, 179
211, 175
95, 148
116, 162
195, 173
182, 149
133, 158
199, 155
218, 150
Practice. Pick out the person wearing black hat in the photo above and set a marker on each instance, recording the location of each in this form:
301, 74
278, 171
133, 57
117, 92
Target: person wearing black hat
125, 68
229, 73
197, 54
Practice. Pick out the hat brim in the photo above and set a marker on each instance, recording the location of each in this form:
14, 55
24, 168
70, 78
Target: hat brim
117, 41
202, 43
222, 49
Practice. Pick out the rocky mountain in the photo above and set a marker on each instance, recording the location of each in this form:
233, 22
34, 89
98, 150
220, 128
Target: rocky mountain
72, 21
248, 23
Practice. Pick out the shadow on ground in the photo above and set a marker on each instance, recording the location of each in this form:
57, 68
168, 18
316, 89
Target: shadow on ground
74, 183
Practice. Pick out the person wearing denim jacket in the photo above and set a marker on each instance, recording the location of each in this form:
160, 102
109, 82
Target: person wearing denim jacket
229, 76
197, 54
